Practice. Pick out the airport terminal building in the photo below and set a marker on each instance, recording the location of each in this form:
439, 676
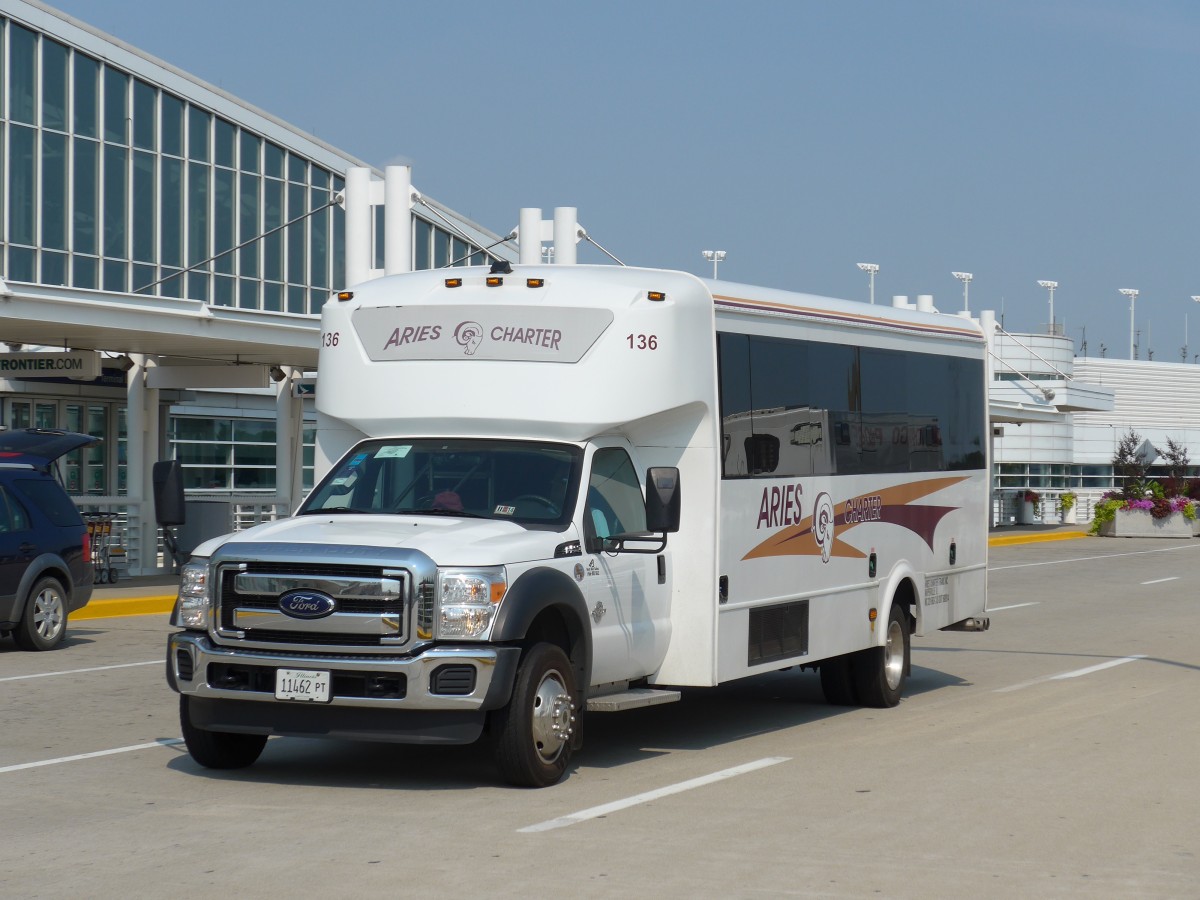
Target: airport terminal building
174, 244
1067, 440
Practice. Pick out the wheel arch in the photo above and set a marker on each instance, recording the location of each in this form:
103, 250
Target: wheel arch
899, 589
544, 604
47, 566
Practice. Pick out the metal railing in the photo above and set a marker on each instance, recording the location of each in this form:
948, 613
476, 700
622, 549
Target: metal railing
1008, 506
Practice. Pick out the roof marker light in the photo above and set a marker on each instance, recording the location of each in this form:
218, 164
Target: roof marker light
656, 295
535, 282
453, 282
494, 281
343, 296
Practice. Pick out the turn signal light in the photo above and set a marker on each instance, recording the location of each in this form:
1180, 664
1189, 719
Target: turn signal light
656, 295
343, 296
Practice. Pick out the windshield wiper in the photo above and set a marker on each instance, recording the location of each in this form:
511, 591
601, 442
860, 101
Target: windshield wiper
430, 511
336, 510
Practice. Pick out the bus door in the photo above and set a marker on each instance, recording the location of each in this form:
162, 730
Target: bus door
630, 610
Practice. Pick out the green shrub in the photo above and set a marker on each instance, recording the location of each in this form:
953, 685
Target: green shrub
1104, 511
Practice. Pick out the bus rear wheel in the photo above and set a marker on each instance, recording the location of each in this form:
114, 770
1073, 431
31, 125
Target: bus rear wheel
837, 680
880, 672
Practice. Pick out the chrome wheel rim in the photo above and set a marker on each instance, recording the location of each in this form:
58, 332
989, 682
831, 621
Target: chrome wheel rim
893, 655
49, 616
552, 719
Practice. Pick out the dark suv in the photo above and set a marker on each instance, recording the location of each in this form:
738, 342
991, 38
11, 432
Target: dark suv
46, 568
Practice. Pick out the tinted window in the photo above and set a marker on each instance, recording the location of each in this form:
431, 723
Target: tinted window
172, 125
50, 498
116, 87
12, 515
87, 92
614, 497
145, 124
811, 408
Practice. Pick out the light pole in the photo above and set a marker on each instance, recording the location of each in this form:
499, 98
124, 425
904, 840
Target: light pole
965, 278
1131, 293
870, 269
714, 257
1050, 286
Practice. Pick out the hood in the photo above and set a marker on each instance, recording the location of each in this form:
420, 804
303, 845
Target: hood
447, 540
40, 446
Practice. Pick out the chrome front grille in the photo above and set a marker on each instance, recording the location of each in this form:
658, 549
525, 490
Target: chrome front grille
370, 604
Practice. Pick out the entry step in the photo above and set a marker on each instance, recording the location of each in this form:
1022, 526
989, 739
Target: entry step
631, 699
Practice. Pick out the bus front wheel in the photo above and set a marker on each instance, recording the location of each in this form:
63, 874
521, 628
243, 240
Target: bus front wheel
534, 733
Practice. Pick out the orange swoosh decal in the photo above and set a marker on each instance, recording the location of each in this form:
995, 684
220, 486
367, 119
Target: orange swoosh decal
797, 540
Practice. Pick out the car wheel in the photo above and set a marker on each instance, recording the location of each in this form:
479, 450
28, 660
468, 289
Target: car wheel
44, 622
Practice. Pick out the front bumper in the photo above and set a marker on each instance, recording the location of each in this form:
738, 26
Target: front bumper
441, 678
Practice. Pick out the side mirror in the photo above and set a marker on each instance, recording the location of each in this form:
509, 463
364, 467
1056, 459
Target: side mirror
168, 493
662, 499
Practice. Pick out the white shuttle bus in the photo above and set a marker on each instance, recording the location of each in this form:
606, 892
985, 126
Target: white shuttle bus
577, 488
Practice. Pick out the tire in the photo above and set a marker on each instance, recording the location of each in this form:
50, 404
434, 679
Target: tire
533, 734
880, 672
44, 622
837, 681
219, 749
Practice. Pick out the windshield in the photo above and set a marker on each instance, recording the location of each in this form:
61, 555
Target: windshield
531, 483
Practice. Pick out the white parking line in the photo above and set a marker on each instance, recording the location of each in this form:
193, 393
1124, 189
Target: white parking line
1160, 580
993, 609
1074, 673
152, 662
164, 742
1076, 559
617, 805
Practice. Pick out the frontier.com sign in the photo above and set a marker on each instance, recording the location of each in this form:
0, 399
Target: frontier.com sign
81, 364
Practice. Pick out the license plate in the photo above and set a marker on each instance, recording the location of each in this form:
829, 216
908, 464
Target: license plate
301, 684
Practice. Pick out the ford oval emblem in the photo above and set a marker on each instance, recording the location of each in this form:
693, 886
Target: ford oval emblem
306, 604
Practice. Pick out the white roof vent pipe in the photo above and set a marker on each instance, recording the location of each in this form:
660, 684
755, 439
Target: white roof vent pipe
900, 301
987, 321
925, 303
566, 234
358, 225
397, 213
529, 236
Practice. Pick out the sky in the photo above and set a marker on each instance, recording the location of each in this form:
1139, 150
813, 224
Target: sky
1019, 140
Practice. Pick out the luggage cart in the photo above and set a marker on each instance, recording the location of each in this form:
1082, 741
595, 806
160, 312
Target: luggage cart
100, 530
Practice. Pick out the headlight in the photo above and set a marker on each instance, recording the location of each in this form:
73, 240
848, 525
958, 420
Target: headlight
467, 601
191, 609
